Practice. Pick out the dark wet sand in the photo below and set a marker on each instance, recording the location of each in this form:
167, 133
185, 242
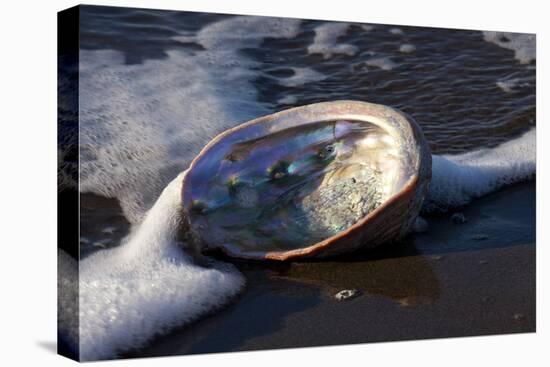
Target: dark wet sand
476, 278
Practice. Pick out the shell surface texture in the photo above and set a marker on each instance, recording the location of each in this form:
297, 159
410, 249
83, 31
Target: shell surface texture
311, 181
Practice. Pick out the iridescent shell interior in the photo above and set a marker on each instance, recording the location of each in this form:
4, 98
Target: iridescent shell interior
289, 182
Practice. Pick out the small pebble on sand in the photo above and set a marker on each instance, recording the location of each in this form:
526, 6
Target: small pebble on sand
346, 294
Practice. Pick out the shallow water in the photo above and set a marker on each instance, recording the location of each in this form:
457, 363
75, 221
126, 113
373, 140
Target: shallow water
454, 83
156, 86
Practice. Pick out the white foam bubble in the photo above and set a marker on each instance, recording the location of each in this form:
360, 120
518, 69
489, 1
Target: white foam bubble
326, 43
523, 44
148, 285
457, 179
407, 48
512, 85
288, 99
396, 31
383, 62
300, 77
142, 124
367, 27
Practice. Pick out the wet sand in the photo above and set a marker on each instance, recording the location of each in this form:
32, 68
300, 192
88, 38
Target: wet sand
474, 278
454, 296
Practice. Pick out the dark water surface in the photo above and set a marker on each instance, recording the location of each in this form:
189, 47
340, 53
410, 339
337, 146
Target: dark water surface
448, 84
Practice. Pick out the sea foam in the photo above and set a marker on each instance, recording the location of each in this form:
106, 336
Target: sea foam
326, 42
301, 76
148, 285
523, 44
287, 100
457, 179
384, 63
396, 31
407, 48
514, 84
67, 304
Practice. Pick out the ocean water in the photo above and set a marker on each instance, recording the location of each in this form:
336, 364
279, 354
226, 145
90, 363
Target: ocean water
156, 86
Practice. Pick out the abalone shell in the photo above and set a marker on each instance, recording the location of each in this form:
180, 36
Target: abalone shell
311, 181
